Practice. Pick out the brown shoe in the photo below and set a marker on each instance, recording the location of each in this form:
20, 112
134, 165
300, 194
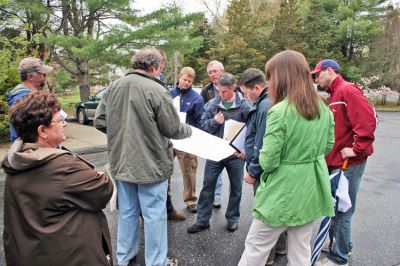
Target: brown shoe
197, 228
176, 216
192, 208
232, 227
133, 261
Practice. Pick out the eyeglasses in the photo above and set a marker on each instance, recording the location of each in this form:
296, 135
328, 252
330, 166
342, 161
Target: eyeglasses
61, 119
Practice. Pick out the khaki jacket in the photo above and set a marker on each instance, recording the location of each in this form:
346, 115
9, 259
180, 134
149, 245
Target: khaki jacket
139, 118
53, 206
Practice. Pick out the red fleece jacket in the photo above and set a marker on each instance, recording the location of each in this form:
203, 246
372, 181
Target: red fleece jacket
355, 122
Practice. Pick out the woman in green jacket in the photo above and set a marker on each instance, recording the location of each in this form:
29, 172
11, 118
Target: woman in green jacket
295, 188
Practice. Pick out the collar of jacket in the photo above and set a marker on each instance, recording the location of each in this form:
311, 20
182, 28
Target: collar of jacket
209, 86
17, 90
335, 83
184, 91
140, 73
236, 103
263, 95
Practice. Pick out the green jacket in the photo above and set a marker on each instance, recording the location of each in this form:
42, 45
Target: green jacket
139, 118
295, 187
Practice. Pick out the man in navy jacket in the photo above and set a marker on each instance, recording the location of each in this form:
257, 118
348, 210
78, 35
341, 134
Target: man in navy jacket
253, 84
192, 104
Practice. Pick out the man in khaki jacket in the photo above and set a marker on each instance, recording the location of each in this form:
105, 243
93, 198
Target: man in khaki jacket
139, 118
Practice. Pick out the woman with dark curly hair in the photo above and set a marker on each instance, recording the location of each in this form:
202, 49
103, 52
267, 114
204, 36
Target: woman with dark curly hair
53, 200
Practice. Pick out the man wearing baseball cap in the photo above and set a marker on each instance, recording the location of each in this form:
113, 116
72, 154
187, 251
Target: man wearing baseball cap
33, 73
355, 123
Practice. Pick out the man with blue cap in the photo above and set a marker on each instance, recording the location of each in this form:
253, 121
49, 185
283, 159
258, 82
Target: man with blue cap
355, 123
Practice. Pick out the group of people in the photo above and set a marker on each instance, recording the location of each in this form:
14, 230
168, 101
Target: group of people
294, 139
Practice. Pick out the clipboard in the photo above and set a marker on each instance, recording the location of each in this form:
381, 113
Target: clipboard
238, 141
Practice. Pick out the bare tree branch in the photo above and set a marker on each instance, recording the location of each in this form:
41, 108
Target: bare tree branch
62, 63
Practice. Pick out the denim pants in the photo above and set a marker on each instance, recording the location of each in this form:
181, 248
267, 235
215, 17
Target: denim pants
340, 229
148, 199
218, 187
234, 167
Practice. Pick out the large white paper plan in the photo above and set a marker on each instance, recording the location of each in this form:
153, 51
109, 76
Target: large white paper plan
205, 145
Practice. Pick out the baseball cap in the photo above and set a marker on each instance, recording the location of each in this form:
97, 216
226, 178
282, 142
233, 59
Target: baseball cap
32, 64
324, 64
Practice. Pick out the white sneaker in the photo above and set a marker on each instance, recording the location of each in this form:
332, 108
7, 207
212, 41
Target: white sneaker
328, 262
325, 246
173, 262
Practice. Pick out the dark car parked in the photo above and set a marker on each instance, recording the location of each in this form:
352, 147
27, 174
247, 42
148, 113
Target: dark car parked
85, 110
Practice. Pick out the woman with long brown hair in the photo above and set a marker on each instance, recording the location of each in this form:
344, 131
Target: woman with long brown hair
295, 188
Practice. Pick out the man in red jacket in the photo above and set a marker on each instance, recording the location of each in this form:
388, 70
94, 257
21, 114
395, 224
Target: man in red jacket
355, 123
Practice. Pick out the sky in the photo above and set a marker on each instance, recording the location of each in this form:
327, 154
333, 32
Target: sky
189, 6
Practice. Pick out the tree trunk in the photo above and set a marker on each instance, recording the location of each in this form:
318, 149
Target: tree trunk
83, 78
176, 66
84, 86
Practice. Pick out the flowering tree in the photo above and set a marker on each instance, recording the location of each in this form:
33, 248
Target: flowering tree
381, 92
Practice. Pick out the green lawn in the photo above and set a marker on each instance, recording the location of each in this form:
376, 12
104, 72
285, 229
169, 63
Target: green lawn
68, 102
389, 106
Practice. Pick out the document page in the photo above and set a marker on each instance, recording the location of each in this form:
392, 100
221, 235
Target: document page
231, 128
204, 145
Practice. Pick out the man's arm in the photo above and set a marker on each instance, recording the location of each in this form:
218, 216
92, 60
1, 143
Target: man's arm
100, 117
254, 168
198, 109
362, 118
168, 121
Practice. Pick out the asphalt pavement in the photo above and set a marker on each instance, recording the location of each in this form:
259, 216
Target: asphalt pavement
376, 223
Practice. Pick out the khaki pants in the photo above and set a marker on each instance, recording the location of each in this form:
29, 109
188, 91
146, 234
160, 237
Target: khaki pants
188, 164
262, 238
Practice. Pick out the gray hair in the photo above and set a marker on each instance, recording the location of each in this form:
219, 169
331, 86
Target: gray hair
218, 64
146, 59
226, 80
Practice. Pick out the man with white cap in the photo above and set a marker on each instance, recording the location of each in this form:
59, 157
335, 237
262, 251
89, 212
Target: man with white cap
33, 74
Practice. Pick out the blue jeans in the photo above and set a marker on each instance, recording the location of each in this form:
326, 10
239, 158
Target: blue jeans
148, 199
218, 187
340, 229
234, 167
